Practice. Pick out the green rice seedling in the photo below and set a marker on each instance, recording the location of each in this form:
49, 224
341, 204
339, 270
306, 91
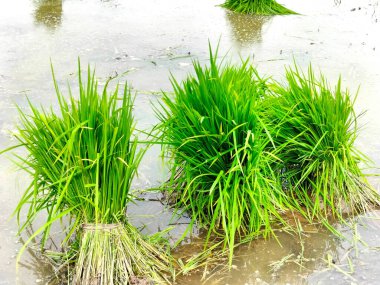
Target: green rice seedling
259, 7
317, 127
221, 170
82, 162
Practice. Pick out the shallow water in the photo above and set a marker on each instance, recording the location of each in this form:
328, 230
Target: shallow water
143, 42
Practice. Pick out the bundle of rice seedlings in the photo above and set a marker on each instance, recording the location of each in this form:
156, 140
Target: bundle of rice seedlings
82, 162
317, 126
259, 7
221, 170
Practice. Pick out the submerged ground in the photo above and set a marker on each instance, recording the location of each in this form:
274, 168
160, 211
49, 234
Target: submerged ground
143, 42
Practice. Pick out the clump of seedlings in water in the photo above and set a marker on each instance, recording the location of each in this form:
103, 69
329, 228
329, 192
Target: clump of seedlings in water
257, 7
222, 162
317, 126
244, 151
82, 162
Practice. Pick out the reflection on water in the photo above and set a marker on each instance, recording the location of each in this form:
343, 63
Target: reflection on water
48, 268
48, 12
41, 267
246, 29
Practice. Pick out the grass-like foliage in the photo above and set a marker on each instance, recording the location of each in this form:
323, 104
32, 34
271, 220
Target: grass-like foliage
244, 150
82, 161
258, 7
317, 126
221, 169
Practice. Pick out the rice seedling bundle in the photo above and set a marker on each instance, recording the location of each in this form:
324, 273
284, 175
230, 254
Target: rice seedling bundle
82, 162
317, 127
221, 170
244, 150
259, 7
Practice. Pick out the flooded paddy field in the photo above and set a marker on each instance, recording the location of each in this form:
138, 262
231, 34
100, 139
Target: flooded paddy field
144, 42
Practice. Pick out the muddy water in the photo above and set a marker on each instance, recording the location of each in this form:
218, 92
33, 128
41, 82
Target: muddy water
142, 42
